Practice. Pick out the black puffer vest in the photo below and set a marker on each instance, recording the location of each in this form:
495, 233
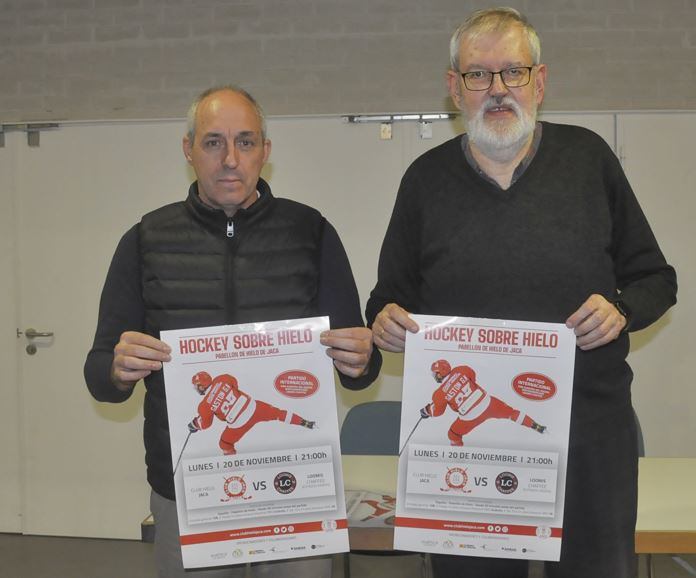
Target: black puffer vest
195, 275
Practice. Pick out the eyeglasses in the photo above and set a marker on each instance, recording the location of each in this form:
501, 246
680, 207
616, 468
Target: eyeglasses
483, 79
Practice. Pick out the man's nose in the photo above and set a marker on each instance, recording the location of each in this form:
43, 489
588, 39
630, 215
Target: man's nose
231, 158
498, 87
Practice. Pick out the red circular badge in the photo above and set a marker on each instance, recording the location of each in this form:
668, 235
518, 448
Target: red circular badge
534, 386
296, 383
456, 478
235, 487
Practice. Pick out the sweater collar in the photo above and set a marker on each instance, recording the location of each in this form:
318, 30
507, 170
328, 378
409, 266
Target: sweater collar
519, 170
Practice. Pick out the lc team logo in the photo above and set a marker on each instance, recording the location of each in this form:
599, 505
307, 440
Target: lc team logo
235, 487
285, 483
506, 483
456, 479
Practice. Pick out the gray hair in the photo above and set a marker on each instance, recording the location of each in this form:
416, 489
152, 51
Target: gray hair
493, 20
193, 109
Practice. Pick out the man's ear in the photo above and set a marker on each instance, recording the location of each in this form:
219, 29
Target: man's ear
540, 83
187, 147
454, 86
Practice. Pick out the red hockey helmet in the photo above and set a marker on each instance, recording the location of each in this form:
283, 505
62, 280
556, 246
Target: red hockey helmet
441, 366
202, 381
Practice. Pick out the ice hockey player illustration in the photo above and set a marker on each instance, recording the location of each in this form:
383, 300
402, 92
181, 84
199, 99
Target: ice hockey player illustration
470, 401
224, 400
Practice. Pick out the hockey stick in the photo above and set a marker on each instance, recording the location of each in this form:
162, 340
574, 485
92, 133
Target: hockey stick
409, 435
182, 451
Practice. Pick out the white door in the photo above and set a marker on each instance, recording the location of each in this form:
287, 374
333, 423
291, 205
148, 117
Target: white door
75, 196
10, 470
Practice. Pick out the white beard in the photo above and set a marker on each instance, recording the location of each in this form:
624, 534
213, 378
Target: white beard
500, 141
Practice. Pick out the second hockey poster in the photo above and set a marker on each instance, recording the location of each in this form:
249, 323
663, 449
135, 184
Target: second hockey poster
484, 437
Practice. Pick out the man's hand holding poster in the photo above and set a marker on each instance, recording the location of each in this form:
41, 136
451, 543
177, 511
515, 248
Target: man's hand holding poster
484, 437
255, 443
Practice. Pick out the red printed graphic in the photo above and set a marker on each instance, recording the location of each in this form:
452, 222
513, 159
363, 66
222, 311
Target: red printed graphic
456, 479
459, 390
534, 386
381, 507
240, 412
235, 487
478, 527
296, 383
257, 532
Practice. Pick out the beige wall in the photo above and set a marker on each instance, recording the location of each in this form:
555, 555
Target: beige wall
90, 59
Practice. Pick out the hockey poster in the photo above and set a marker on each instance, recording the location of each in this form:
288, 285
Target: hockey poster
484, 437
255, 443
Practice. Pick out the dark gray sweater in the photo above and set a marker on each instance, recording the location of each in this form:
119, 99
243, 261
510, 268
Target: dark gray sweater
569, 227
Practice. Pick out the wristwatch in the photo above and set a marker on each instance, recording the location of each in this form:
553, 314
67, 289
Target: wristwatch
625, 310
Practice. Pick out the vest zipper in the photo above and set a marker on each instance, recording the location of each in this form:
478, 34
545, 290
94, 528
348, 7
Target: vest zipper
230, 297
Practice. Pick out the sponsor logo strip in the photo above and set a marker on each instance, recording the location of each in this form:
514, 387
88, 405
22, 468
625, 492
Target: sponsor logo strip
482, 527
275, 530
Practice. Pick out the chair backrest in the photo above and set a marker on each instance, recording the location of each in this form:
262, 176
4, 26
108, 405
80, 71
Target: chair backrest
372, 428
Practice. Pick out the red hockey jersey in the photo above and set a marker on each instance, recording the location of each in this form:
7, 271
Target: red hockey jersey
225, 400
460, 391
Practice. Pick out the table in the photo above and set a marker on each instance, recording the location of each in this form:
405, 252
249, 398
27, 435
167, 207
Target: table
666, 508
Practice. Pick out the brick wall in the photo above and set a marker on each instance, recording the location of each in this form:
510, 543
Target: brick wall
94, 59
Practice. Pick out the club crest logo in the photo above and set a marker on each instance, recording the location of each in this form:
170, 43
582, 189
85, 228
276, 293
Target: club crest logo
506, 483
235, 487
285, 483
456, 479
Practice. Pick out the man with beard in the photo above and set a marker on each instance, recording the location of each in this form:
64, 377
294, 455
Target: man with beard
524, 220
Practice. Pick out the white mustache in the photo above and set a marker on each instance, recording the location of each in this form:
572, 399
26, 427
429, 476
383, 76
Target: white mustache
493, 102
500, 141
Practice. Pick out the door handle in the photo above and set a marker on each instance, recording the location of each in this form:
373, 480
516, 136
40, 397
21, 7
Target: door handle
32, 333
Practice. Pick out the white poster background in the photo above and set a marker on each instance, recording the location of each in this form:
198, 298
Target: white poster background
501, 494
281, 494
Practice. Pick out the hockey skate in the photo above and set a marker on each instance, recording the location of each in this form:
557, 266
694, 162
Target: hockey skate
540, 428
309, 424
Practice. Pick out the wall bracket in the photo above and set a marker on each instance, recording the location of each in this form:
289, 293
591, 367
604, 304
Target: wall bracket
33, 130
